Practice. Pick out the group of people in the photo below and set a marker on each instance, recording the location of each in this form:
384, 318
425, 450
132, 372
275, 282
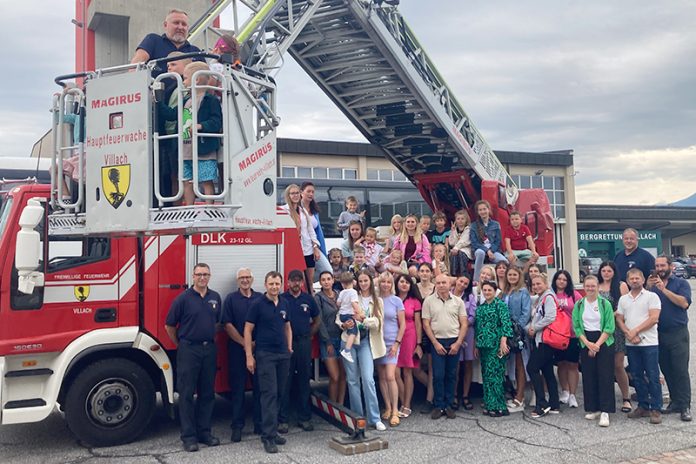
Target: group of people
408, 309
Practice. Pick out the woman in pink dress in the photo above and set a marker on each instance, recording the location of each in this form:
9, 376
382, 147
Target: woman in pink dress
411, 350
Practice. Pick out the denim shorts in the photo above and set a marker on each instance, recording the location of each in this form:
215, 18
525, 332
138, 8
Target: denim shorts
207, 170
335, 342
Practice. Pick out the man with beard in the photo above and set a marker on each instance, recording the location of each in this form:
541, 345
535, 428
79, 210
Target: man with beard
153, 46
632, 256
673, 334
304, 321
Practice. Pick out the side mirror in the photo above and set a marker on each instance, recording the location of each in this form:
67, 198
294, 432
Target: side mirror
28, 248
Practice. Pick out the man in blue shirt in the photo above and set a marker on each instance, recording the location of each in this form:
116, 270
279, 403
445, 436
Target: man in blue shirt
673, 335
304, 320
234, 315
268, 320
153, 46
633, 256
191, 324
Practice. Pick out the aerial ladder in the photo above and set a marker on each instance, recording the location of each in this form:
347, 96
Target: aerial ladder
368, 61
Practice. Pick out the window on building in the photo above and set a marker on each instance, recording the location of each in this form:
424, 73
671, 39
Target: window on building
386, 203
288, 171
336, 173
350, 174
386, 175
320, 173
304, 172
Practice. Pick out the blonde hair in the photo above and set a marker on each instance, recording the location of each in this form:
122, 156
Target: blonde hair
387, 277
196, 66
372, 230
520, 282
465, 214
398, 218
491, 269
417, 235
294, 212
445, 260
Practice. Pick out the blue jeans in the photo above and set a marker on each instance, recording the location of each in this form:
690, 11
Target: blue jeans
643, 362
362, 367
480, 258
444, 375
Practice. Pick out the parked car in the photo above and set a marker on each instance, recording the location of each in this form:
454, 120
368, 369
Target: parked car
690, 268
679, 270
589, 266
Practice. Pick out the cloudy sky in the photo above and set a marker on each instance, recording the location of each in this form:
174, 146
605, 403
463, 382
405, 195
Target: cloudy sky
614, 81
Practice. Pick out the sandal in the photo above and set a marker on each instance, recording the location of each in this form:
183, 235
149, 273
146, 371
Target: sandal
405, 412
468, 405
394, 421
628, 408
386, 414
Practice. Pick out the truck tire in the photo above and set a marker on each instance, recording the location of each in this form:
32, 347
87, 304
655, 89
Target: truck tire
110, 402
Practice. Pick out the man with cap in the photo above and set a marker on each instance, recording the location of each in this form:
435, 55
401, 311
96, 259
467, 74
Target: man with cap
304, 320
191, 324
234, 315
268, 320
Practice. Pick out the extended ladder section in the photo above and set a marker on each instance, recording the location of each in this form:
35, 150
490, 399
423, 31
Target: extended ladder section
121, 151
367, 60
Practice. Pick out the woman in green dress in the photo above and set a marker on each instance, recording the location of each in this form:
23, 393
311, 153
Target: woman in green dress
493, 327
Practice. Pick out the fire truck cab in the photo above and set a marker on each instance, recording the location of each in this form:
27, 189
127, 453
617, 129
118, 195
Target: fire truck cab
89, 336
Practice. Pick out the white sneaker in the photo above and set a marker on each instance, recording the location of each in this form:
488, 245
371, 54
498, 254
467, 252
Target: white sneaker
565, 394
604, 420
349, 357
593, 415
379, 426
572, 401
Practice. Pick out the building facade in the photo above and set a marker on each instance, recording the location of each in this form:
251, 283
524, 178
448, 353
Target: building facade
340, 169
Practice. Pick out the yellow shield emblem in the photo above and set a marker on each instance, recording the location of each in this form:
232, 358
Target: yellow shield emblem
81, 292
115, 183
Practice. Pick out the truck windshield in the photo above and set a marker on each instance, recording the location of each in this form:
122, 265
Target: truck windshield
5, 208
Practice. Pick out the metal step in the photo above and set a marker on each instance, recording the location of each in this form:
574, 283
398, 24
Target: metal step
198, 218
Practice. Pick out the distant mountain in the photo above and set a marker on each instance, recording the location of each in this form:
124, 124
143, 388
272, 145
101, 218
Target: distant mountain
689, 201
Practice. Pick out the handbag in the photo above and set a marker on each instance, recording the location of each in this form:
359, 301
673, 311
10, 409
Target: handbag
557, 334
518, 341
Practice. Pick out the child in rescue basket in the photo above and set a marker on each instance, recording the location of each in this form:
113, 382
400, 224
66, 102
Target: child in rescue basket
71, 164
372, 248
169, 149
210, 121
348, 307
459, 243
350, 215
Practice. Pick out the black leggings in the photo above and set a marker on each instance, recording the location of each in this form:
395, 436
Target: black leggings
540, 368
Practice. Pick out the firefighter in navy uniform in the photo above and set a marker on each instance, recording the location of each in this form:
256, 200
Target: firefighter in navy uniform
234, 315
191, 324
268, 320
304, 320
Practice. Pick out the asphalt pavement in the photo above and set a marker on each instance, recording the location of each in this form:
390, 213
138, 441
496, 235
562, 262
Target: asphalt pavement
471, 437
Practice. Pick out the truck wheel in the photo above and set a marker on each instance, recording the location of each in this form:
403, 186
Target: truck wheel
110, 402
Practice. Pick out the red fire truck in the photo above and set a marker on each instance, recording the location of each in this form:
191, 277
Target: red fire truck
86, 281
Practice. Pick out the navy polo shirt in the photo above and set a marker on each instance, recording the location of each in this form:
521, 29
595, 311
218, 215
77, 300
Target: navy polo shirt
640, 258
671, 315
195, 316
303, 309
159, 46
236, 307
269, 322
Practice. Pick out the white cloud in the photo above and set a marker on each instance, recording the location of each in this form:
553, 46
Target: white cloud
638, 177
611, 80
